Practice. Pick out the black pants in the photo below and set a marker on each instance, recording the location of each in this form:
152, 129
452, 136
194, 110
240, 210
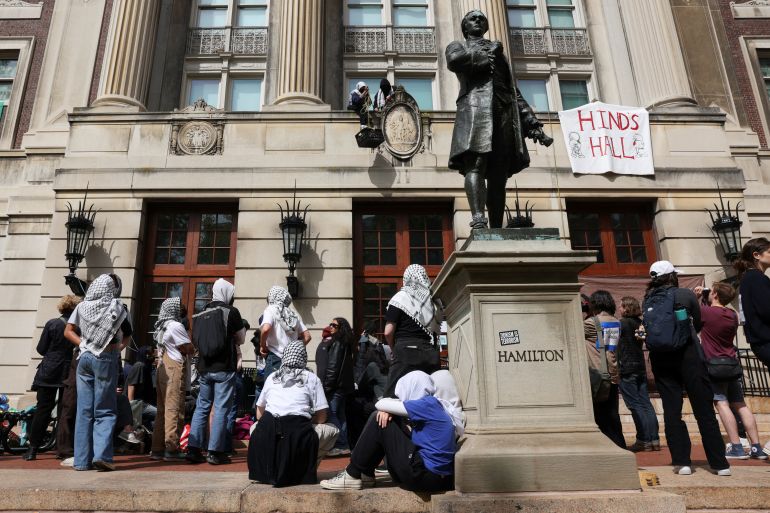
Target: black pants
65, 427
46, 401
411, 355
676, 372
607, 417
404, 463
762, 352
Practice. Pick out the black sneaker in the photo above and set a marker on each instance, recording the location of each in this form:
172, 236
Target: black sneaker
31, 454
174, 456
217, 458
194, 455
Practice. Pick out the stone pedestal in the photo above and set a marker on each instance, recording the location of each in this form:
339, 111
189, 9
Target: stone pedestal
516, 349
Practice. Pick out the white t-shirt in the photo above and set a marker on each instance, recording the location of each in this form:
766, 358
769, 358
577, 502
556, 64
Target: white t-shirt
175, 336
277, 338
293, 400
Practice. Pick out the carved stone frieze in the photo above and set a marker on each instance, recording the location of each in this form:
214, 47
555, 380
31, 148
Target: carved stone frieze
18, 9
751, 9
197, 136
402, 125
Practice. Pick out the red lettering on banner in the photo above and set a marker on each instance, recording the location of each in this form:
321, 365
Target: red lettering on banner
590, 119
634, 122
623, 147
595, 146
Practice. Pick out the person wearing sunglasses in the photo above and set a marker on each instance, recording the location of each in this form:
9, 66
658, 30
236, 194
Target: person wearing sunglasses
338, 379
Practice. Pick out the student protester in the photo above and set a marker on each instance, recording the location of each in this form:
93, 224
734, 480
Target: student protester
338, 380
232, 413
140, 388
720, 326
51, 373
420, 460
104, 327
752, 264
633, 377
383, 94
290, 438
280, 326
359, 101
371, 378
602, 329
217, 380
175, 346
682, 370
412, 325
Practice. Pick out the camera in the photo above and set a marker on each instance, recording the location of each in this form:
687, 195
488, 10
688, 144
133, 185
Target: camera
705, 295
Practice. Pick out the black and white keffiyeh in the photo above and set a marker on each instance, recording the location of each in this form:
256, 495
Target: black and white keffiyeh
279, 299
293, 366
170, 310
102, 313
414, 299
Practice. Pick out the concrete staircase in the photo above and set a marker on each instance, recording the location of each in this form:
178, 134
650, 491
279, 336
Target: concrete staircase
760, 406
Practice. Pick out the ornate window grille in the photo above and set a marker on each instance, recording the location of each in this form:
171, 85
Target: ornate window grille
238, 40
378, 40
542, 41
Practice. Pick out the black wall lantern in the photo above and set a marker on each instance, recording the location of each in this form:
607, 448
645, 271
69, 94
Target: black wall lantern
80, 225
523, 218
727, 227
293, 231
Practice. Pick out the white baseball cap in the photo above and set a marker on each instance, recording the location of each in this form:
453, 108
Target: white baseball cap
662, 267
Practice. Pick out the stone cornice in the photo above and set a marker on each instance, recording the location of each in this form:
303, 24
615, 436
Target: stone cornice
751, 9
18, 9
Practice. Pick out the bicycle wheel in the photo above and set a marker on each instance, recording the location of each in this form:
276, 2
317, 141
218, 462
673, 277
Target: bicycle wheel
49, 437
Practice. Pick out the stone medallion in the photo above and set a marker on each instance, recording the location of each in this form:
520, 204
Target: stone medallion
402, 125
197, 136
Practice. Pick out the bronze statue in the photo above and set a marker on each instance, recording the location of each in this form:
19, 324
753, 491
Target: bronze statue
492, 121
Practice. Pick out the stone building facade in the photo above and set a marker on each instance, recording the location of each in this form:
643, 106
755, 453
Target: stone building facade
186, 191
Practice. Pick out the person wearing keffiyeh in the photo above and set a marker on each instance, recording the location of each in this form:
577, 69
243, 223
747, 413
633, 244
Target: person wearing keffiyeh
291, 436
412, 324
174, 345
99, 326
280, 326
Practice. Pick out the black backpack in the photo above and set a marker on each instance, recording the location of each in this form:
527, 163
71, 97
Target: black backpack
210, 332
664, 331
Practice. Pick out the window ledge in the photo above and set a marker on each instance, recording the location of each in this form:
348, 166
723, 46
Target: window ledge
751, 9
19, 10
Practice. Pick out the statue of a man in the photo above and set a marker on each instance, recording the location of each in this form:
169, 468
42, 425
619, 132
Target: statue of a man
492, 121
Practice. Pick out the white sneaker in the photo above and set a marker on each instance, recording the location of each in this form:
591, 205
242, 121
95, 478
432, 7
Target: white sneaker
129, 437
69, 462
342, 481
724, 472
683, 471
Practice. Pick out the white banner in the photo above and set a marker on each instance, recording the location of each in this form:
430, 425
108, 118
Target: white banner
604, 138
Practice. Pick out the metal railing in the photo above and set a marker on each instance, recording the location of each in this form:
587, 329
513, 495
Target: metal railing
381, 39
236, 40
544, 41
756, 377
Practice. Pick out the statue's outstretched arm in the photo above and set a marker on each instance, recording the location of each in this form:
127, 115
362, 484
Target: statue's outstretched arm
531, 126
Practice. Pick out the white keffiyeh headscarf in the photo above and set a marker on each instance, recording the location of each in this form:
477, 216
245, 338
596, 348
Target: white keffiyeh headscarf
447, 395
414, 385
170, 310
279, 299
293, 366
223, 291
102, 313
414, 299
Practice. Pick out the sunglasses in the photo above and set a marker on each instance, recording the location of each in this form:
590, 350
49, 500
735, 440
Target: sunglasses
334, 325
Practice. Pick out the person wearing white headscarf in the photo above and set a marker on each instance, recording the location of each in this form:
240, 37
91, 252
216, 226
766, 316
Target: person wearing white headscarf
291, 437
174, 344
217, 382
420, 460
99, 326
359, 101
412, 323
280, 326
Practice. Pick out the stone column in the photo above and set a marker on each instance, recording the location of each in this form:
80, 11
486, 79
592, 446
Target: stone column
128, 56
656, 55
301, 53
497, 16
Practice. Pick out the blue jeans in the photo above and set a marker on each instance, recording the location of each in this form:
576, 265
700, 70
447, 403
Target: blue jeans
338, 417
634, 390
217, 388
233, 411
272, 364
97, 381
